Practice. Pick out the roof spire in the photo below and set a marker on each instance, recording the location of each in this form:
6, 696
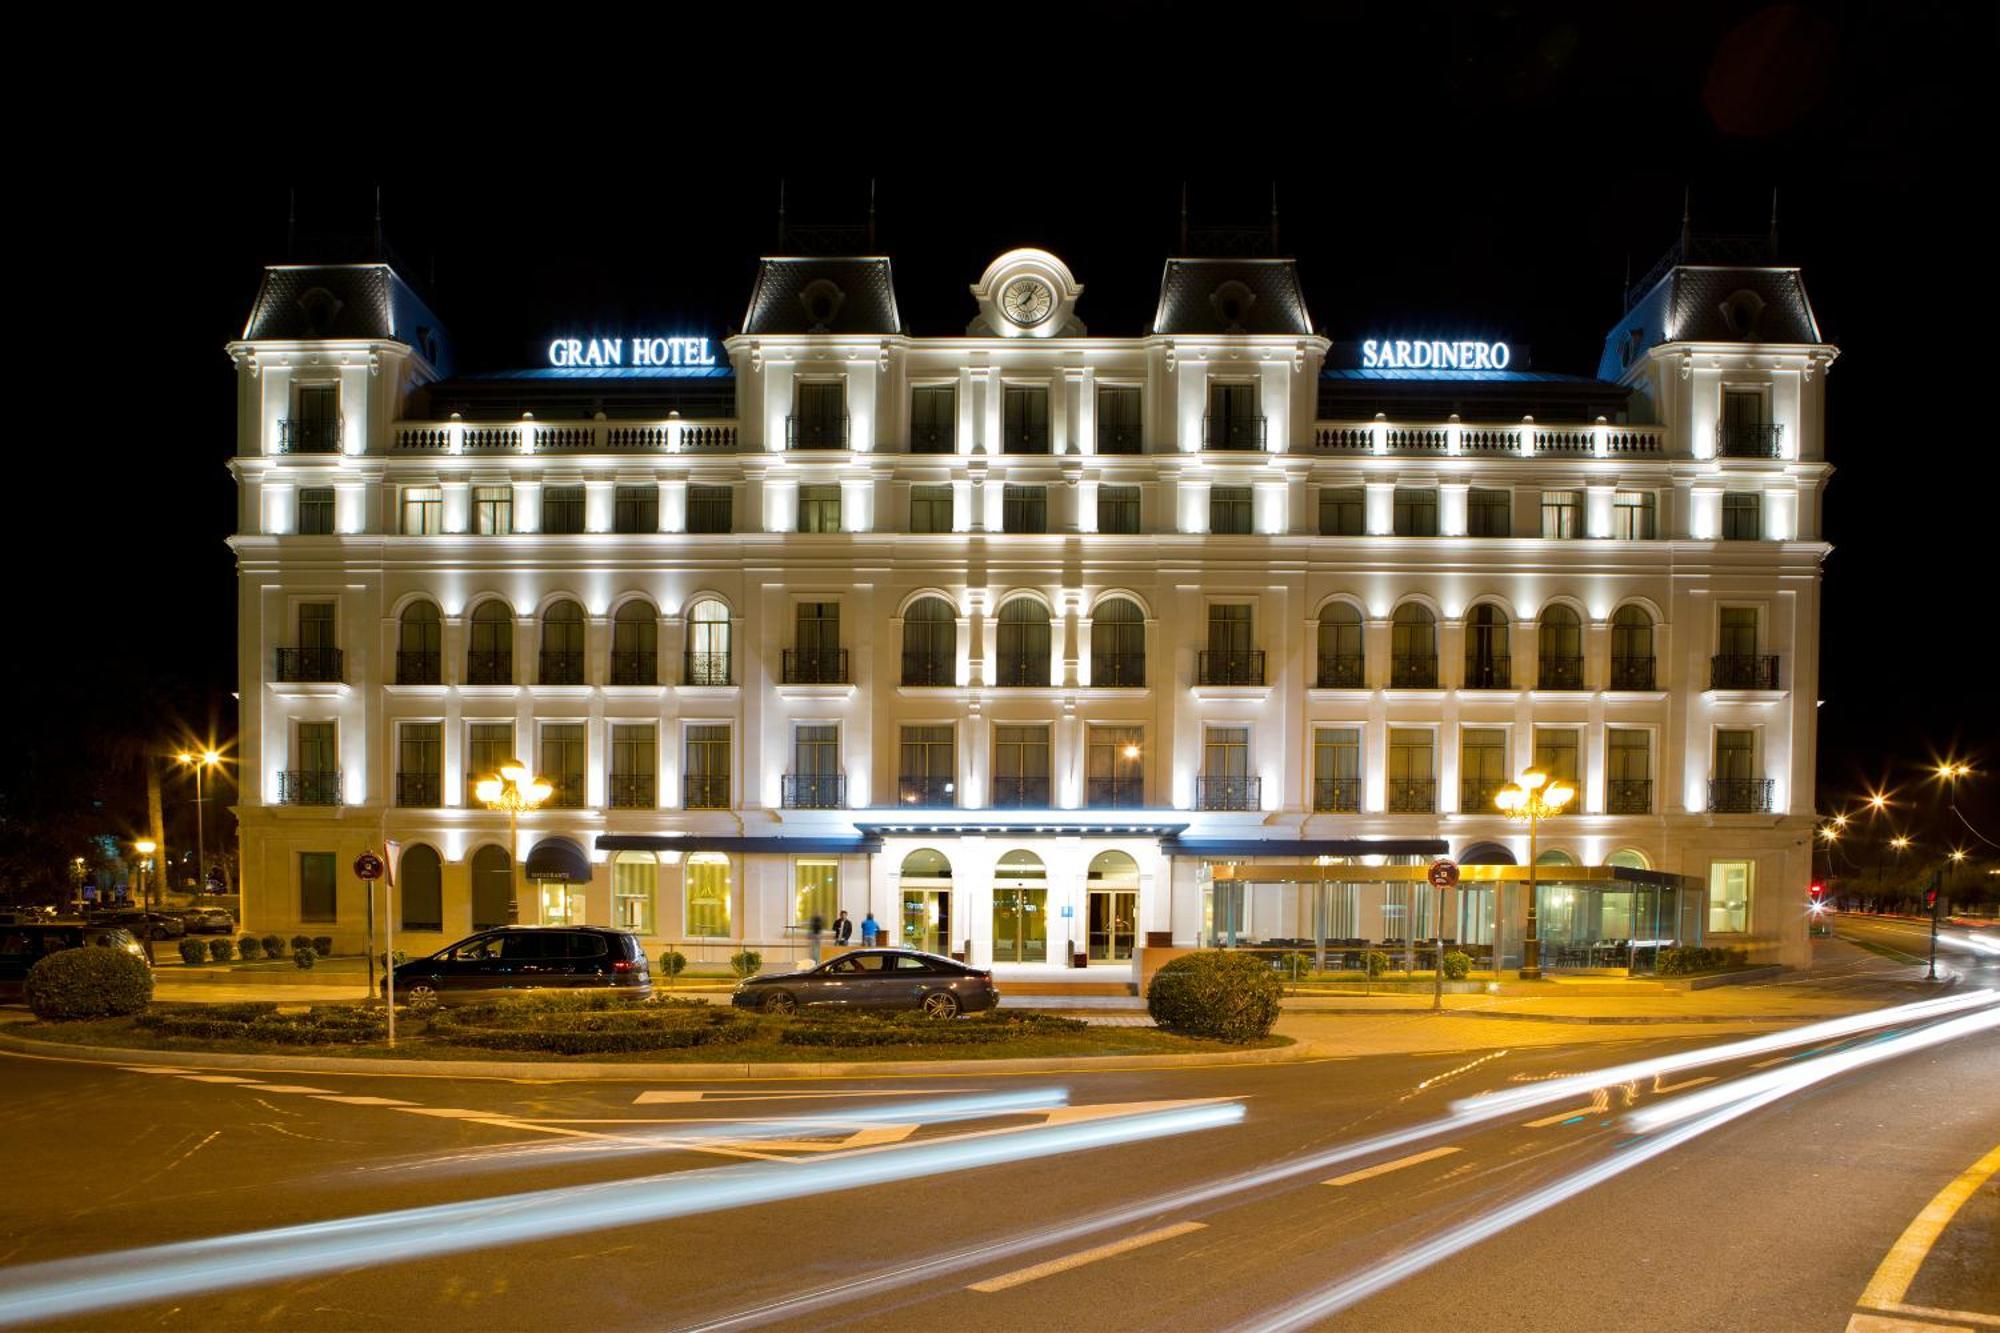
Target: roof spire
291, 221
871, 215
378, 220
781, 215
1774, 222
1625, 291
1184, 245
1687, 220
1274, 218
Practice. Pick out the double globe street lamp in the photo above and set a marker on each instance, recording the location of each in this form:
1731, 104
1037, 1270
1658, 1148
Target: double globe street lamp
1533, 797
515, 789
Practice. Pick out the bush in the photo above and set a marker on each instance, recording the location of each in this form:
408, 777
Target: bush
401, 958
745, 964
1375, 962
302, 959
852, 1030
1292, 966
319, 1026
586, 1029
301, 942
1457, 966
1226, 995
249, 948
192, 953
89, 982
323, 945
274, 946
673, 963
1683, 962
219, 950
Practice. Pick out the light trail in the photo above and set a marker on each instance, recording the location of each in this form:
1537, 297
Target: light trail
70, 1287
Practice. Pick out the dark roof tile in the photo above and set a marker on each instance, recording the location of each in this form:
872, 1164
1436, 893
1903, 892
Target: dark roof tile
823, 296
1232, 296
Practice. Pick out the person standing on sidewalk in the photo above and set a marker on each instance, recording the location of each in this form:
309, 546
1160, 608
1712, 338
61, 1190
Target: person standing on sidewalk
869, 930
843, 930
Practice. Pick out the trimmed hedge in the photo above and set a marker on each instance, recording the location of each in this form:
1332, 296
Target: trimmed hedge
193, 953
1375, 962
672, 963
746, 963
332, 1025
1681, 962
323, 945
1457, 966
274, 946
302, 959
851, 1030
573, 1023
301, 942
219, 950
250, 948
88, 982
1225, 995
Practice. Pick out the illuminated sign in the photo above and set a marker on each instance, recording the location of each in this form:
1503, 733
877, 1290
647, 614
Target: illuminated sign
1433, 354
577, 353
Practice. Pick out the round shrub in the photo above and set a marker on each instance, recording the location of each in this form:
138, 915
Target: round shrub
192, 953
746, 963
1457, 965
274, 946
219, 950
301, 942
1224, 995
673, 963
323, 945
1375, 962
302, 959
249, 948
90, 982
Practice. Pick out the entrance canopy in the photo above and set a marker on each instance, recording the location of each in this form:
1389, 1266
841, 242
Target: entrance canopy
559, 859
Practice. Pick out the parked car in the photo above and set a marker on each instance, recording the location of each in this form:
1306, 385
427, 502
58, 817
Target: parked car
209, 921
529, 958
877, 979
21, 947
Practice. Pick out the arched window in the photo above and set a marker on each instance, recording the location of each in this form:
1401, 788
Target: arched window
489, 656
930, 643
492, 887
562, 644
1024, 643
707, 895
1413, 648
1560, 649
1114, 869
633, 877
1629, 857
1118, 643
1488, 665
420, 645
635, 645
420, 886
1555, 856
1632, 649
926, 901
708, 647
1342, 659
925, 863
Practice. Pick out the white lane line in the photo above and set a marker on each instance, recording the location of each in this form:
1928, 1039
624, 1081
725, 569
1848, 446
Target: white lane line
1414, 1159
217, 1078
1686, 1083
154, 1069
451, 1113
1962, 1319
1766, 1064
1082, 1257
293, 1087
655, 1096
1593, 1109
360, 1101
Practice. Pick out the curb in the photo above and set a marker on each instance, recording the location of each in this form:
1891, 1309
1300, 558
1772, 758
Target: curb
519, 1071
1628, 1020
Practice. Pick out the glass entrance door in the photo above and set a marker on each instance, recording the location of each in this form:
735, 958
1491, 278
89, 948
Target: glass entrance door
1114, 916
1020, 925
927, 920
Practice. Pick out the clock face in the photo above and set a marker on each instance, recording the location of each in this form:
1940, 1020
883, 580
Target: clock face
1027, 301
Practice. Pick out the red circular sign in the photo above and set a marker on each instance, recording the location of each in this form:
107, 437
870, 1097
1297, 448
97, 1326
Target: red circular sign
368, 866
1443, 873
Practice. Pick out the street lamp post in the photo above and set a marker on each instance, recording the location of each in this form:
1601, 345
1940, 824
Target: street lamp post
1531, 799
1948, 773
514, 789
200, 763
145, 847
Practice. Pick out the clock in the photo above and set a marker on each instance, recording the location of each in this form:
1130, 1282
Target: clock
1027, 301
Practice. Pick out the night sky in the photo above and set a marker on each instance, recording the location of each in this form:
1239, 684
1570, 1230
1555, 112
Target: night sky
1494, 169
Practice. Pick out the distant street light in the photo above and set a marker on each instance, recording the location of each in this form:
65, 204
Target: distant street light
200, 762
145, 847
1532, 798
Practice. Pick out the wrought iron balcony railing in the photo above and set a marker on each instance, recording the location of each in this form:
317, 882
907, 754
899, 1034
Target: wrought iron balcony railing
1413, 795
1632, 673
1629, 796
1127, 793
816, 432
1118, 439
1413, 673
419, 668
1232, 432
419, 790
814, 791
1228, 793
1032, 670
708, 668
1560, 673
1016, 439
929, 669
309, 664
815, 666
1740, 796
1342, 671
934, 792
1339, 795
309, 436
559, 668
933, 439
566, 792
635, 668
1475, 795
631, 791
1118, 670
1747, 440
705, 791
1016, 793
309, 786
1230, 667
1489, 673
489, 668
1731, 671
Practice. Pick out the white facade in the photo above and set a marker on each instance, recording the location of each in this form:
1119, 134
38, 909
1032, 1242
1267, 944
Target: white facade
337, 524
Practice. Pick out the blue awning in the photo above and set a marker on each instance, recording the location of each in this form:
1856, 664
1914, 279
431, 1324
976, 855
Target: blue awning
559, 858
695, 842
1222, 849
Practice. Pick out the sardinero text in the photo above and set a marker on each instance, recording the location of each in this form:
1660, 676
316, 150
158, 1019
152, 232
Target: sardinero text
1433, 354
576, 352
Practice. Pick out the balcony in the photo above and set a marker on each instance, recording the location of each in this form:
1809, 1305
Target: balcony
929, 669
816, 432
1632, 673
1561, 673
935, 793
672, 436
309, 664
306, 436
1339, 795
1228, 793
1489, 673
1735, 671
1127, 793
635, 669
631, 791
489, 668
710, 668
933, 439
815, 666
419, 668
1475, 795
1023, 672
1413, 796
1232, 433
1232, 666
309, 786
1342, 671
1016, 793
562, 668
1413, 673
1018, 439
1629, 796
813, 791
1118, 670
419, 790
705, 791
1740, 796
566, 792
1747, 440
1118, 439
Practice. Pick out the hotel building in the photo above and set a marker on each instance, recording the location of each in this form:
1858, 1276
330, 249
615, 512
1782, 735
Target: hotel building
1033, 643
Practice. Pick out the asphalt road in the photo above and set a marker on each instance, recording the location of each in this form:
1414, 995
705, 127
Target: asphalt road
1340, 1193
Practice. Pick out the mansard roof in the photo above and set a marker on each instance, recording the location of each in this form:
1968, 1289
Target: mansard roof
345, 301
1232, 296
1712, 303
812, 295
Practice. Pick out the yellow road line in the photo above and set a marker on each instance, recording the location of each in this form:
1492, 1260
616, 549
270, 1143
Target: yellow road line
1082, 1257
1960, 1318
1369, 1173
1899, 1267
1594, 1108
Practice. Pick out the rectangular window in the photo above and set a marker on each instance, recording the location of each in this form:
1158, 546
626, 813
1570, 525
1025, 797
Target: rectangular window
1412, 778
423, 510
316, 511
316, 627
1230, 629
1735, 755
926, 767
488, 745
1736, 631
934, 420
1729, 888
1118, 509
632, 892
562, 509
633, 767
1024, 420
1225, 752
318, 899
1635, 516
1233, 419
815, 891
563, 763
492, 510
1024, 509
1562, 514
1118, 419
1482, 768
1556, 752
1337, 768
1629, 779
316, 779
1343, 511
1489, 513
419, 762
1020, 766
1416, 512
931, 508
1742, 516
819, 508
1229, 509
635, 509
821, 419
705, 771
315, 429
1115, 759
709, 509
708, 896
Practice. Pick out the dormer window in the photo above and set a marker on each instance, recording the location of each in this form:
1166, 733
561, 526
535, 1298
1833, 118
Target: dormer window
822, 300
1232, 302
1742, 311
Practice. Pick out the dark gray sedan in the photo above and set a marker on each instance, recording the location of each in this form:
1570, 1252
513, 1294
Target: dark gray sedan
876, 979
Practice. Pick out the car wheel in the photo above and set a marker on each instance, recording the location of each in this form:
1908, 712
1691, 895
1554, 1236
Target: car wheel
421, 995
781, 1002
941, 1004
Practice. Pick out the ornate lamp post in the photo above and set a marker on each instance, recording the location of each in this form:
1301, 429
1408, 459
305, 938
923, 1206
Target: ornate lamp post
1531, 798
145, 847
200, 763
514, 788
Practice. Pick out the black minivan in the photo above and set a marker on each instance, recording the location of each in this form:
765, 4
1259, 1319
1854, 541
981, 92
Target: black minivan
529, 958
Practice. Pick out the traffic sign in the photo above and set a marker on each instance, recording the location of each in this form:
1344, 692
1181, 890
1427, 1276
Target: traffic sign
368, 866
1443, 873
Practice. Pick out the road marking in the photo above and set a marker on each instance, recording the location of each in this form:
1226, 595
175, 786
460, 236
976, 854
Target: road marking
358, 1101
1899, 1267
1966, 1318
217, 1078
656, 1096
1082, 1257
1369, 1173
1688, 1083
1766, 1064
1574, 1113
293, 1087
153, 1069
451, 1113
